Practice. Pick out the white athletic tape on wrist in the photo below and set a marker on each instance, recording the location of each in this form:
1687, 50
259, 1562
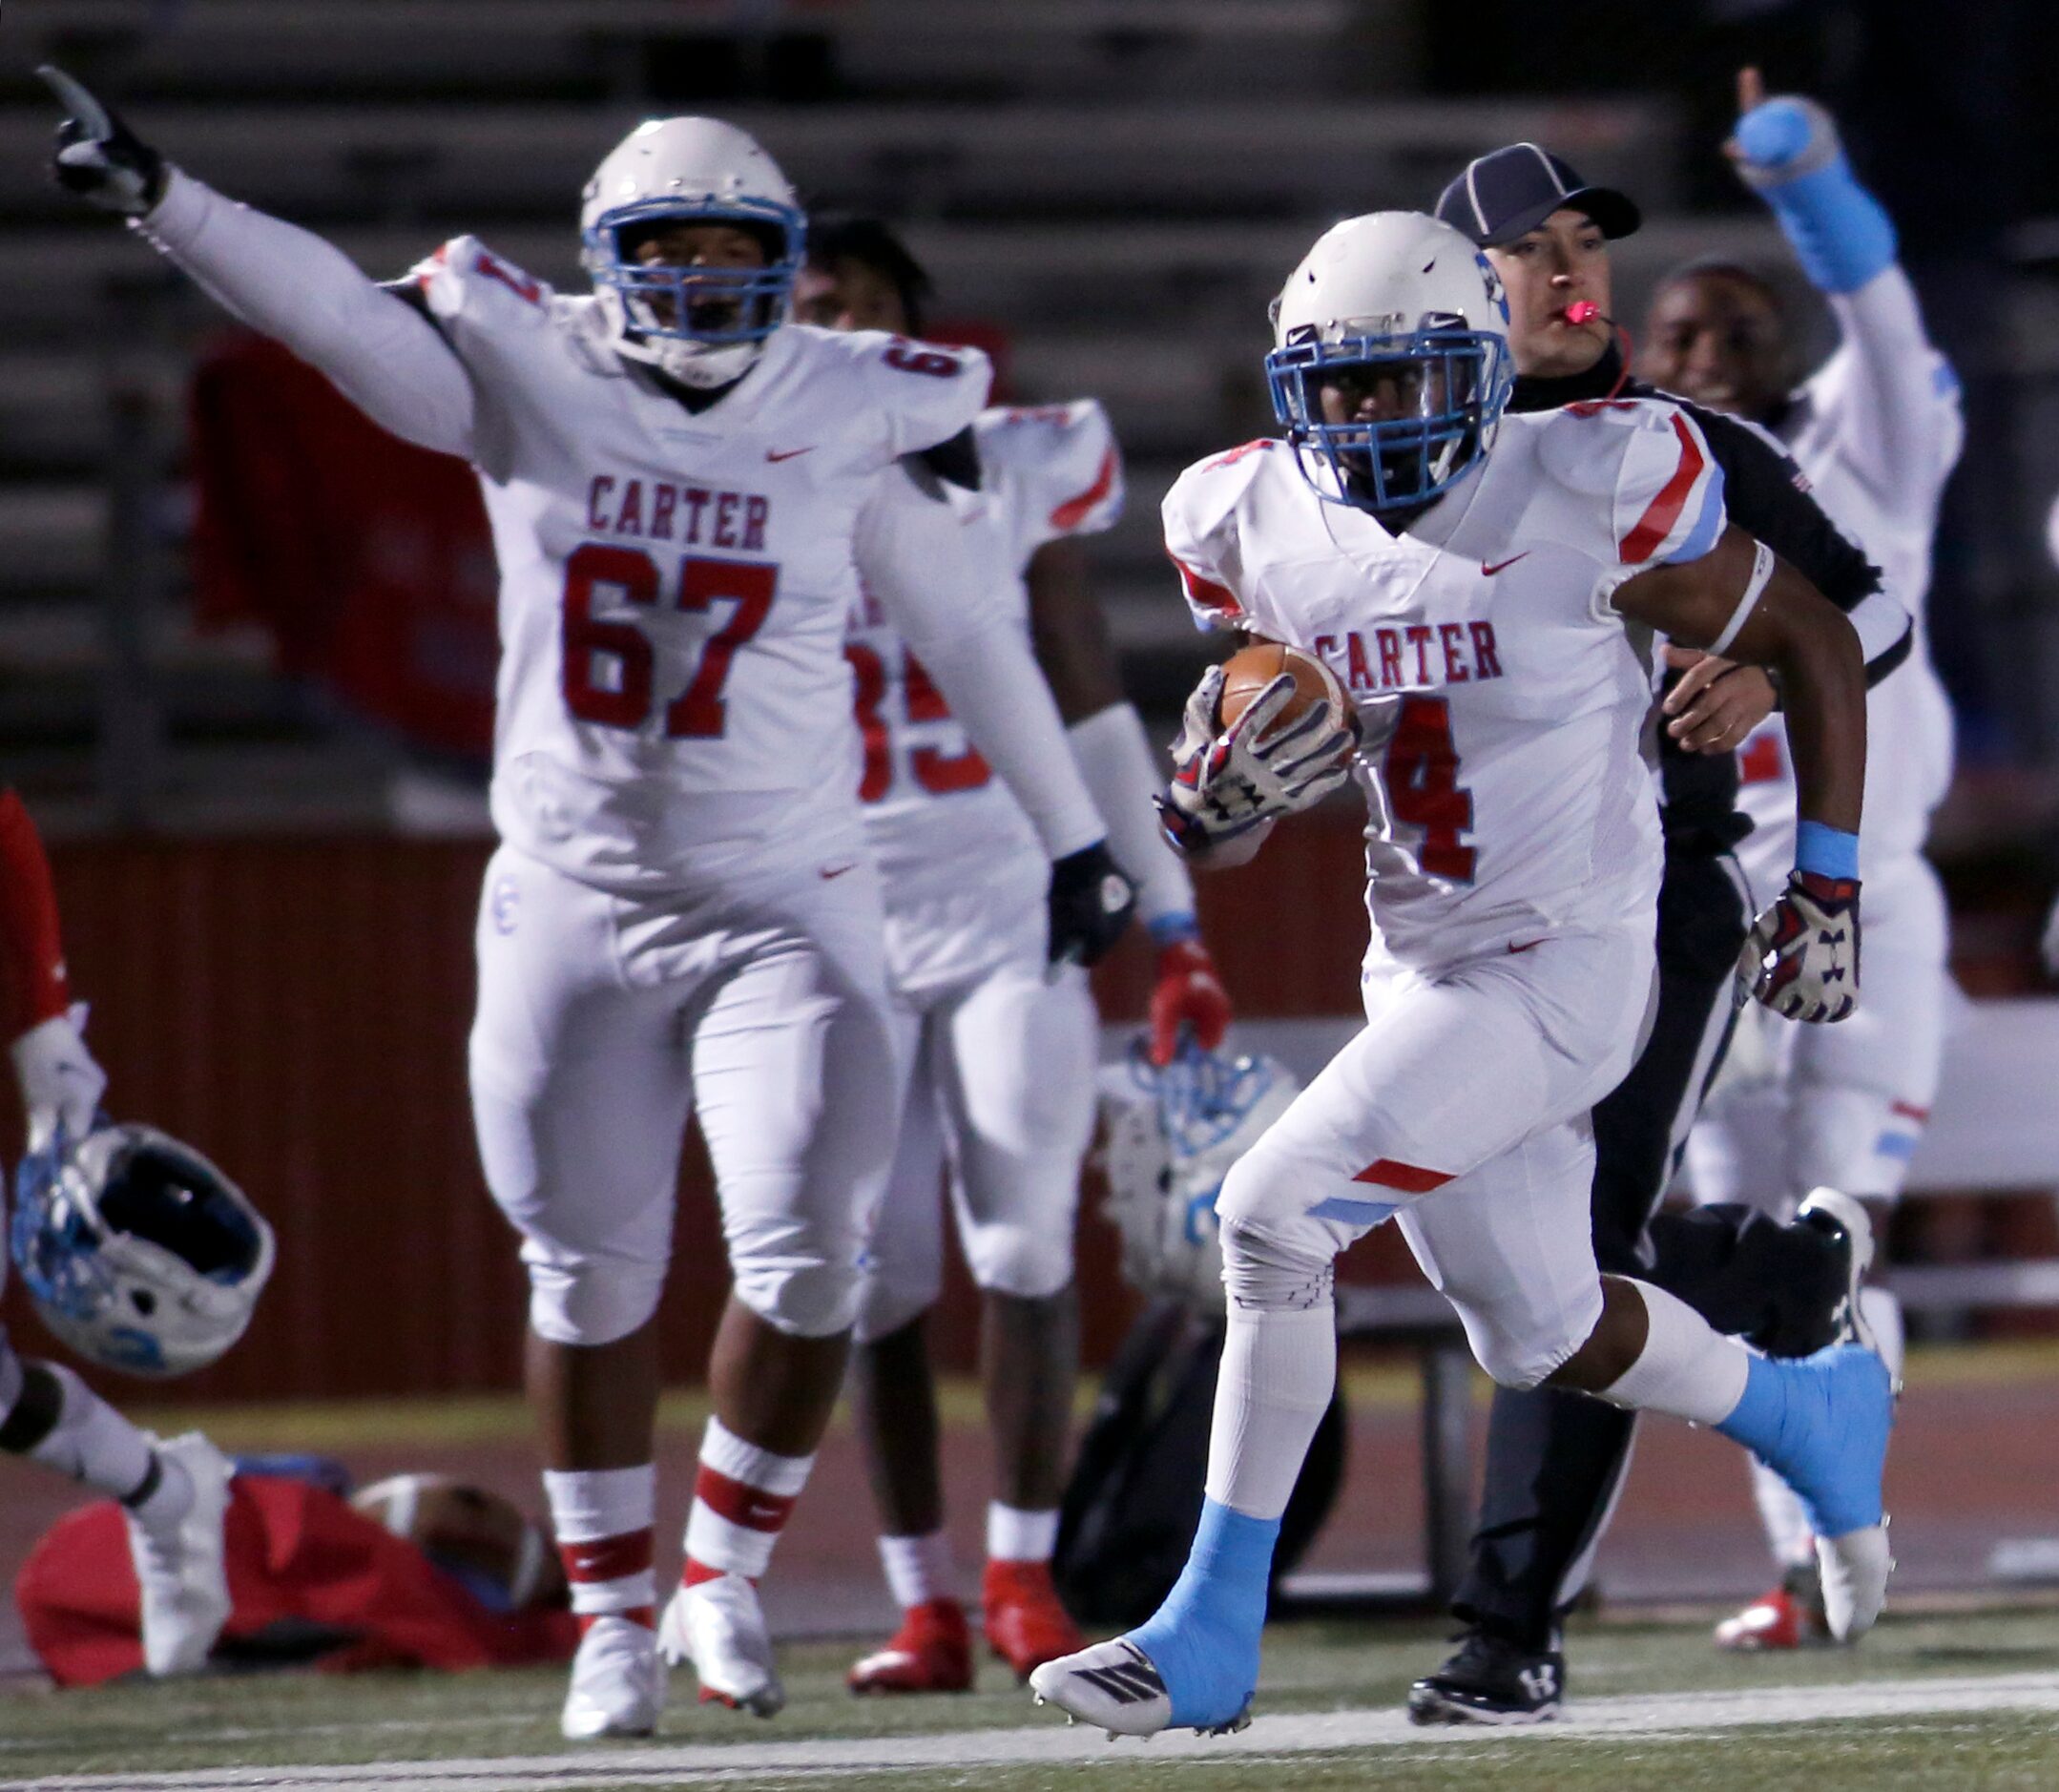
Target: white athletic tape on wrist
1753, 587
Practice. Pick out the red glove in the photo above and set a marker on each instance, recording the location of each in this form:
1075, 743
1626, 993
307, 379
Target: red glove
1188, 993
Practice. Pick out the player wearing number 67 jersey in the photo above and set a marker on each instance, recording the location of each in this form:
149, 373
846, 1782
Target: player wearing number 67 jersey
996, 1056
682, 489
1485, 588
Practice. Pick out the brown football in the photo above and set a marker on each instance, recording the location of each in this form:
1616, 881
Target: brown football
1247, 672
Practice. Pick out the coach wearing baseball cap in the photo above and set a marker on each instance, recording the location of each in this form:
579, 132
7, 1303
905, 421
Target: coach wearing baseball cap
1555, 1460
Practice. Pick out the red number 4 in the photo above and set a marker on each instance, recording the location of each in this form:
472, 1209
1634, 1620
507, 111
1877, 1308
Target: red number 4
1420, 771
698, 711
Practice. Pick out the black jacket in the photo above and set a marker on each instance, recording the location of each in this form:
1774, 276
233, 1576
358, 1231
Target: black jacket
1766, 493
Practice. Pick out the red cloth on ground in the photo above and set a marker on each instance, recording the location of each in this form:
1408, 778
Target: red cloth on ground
367, 558
295, 1553
33, 988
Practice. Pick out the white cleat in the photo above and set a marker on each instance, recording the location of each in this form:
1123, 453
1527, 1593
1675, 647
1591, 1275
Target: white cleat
617, 1683
179, 1572
1111, 1685
719, 1627
1855, 1568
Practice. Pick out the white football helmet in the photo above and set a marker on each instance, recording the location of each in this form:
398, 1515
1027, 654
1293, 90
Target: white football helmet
137, 1252
1169, 1139
701, 325
1403, 318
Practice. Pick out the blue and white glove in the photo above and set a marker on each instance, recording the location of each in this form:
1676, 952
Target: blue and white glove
1802, 956
1228, 780
1787, 151
97, 157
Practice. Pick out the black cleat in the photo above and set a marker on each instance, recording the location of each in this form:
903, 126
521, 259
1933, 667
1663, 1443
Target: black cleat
1849, 1229
1488, 1680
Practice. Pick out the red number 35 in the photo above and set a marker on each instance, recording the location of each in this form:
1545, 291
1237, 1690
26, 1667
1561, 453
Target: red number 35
909, 359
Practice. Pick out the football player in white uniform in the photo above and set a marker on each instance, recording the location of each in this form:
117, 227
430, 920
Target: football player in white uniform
173, 1495
1485, 590
999, 1058
682, 486
1877, 430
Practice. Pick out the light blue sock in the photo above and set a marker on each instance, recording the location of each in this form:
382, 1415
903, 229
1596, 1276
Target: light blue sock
1204, 1639
1759, 1420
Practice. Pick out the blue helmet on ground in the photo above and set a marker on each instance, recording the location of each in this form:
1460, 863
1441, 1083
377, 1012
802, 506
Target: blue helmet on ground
1169, 1139
137, 1252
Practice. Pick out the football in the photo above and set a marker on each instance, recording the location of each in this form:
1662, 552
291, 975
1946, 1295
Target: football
1247, 672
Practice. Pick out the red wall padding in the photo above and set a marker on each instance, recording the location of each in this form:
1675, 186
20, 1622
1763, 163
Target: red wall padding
297, 1010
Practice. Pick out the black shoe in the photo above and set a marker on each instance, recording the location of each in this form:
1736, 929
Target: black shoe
1848, 1225
1488, 1680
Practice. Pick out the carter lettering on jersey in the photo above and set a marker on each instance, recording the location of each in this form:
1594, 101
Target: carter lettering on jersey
658, 509
1412, 657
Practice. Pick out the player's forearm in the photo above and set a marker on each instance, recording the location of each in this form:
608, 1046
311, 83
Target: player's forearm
1122, 775
992, 685
1815, 654
911, 549
1900, 412
292, 286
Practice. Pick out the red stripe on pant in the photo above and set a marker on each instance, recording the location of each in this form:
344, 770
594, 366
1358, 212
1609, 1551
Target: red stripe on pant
1409, 1178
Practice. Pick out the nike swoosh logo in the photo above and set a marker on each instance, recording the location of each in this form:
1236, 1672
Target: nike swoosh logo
1528, 945
1502, 566
837, 871
787, 454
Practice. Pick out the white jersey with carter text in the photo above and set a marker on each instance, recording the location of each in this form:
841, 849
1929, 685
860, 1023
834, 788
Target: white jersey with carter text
935, 816
674, 584
1877, 430
1503, 701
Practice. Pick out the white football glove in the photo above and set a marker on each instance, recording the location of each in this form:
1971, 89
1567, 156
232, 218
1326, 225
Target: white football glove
1228, 780
1802, 957
61, 1083
97, 157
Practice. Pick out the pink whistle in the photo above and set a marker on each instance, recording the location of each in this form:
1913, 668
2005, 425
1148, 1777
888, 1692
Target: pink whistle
1582, 311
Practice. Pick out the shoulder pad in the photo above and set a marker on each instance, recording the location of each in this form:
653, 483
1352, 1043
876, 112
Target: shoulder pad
1645, 470
466, 278
1061, 460
925, 394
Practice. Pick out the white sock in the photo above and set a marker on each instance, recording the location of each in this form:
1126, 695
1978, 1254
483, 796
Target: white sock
1014, 1535
93, 1443
1279, 1371
742, 1497
605, 1519
919, 1568
1686, 1368
1787, 1525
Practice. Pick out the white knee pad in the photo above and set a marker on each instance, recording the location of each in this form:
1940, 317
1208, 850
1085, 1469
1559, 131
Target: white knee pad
1283, 1267
799, 1279
1032, 1263
579, 1299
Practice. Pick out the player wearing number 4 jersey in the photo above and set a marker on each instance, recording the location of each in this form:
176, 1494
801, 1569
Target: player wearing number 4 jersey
682, 489
997, 1056
1485, 589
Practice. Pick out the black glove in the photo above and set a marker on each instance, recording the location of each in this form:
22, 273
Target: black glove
1090, 904
98, 157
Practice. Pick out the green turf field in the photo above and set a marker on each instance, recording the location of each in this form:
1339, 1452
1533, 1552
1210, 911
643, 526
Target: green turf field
1936, 1700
